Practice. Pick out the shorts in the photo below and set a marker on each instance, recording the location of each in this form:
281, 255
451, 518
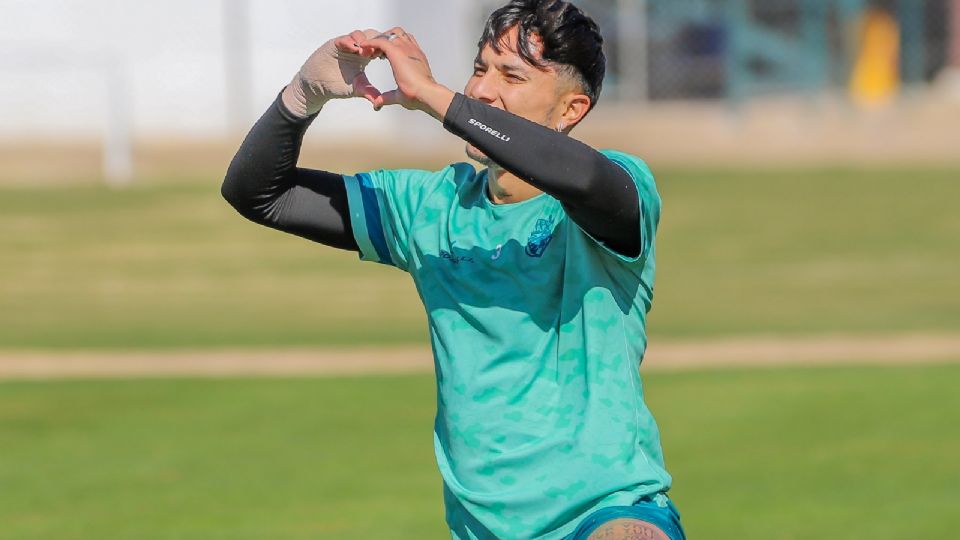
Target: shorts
656, 509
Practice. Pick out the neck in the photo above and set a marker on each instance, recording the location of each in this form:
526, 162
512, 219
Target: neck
506, 188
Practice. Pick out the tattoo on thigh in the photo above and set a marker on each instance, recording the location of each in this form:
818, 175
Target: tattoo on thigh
628, 529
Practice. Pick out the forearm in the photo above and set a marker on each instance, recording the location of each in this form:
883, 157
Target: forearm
264, 184
597, 193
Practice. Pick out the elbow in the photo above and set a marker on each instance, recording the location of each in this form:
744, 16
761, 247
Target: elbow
235, 189
226, 191
231, 193
234, 192
242, 207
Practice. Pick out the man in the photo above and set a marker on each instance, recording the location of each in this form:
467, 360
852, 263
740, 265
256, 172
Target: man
536, 273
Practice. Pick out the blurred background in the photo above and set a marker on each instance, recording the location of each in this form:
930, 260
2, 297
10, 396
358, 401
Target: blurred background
125, 89
168, 370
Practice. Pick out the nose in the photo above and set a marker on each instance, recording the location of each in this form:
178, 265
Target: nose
483, 88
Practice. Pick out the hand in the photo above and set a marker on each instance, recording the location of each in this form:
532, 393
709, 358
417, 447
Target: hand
334, 71
416, 87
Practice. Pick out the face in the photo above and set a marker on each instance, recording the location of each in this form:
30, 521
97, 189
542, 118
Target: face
505, 81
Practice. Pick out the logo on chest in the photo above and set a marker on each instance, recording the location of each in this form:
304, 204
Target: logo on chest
540, 238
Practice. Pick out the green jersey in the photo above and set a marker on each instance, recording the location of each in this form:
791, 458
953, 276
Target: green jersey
537, 332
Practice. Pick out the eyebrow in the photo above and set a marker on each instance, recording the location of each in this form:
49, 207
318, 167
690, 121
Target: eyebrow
512, 67
516, 68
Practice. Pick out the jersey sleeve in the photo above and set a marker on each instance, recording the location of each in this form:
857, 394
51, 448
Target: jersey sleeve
383, 205
649, 204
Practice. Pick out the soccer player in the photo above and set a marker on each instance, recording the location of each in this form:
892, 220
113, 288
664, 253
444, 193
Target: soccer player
536, 273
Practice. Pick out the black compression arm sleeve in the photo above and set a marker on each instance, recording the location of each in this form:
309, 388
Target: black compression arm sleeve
264, 184
598, 194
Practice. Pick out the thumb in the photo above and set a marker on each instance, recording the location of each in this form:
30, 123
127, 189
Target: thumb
393, 97
362, 87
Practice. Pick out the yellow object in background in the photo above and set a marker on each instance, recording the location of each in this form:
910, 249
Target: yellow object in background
876, 75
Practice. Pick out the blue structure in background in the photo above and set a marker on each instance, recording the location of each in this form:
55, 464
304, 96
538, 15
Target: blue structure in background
743, 48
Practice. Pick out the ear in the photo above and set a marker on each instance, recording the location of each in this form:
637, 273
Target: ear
576, 106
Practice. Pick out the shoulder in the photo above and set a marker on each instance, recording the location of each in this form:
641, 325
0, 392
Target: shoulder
641, 174
636, 167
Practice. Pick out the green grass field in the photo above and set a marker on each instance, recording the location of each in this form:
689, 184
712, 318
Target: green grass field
169, 264
852, 453
785, 454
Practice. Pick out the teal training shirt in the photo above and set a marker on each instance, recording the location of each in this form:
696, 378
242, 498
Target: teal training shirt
537, 332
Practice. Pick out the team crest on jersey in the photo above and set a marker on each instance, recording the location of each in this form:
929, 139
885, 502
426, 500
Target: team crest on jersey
540, 238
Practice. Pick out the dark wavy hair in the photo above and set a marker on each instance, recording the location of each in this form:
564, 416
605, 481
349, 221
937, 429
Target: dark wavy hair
571, 39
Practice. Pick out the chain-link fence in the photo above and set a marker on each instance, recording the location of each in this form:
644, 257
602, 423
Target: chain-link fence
736, 49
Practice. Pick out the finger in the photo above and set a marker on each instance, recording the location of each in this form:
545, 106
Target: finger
371, 33
351, 44
384, 37
358, 36
393, 97
347, 44
363, 88
394, 33
379, 45
397, 30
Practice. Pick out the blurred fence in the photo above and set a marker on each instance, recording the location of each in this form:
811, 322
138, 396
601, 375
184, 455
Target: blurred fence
146, 83
740, 48
737, 49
